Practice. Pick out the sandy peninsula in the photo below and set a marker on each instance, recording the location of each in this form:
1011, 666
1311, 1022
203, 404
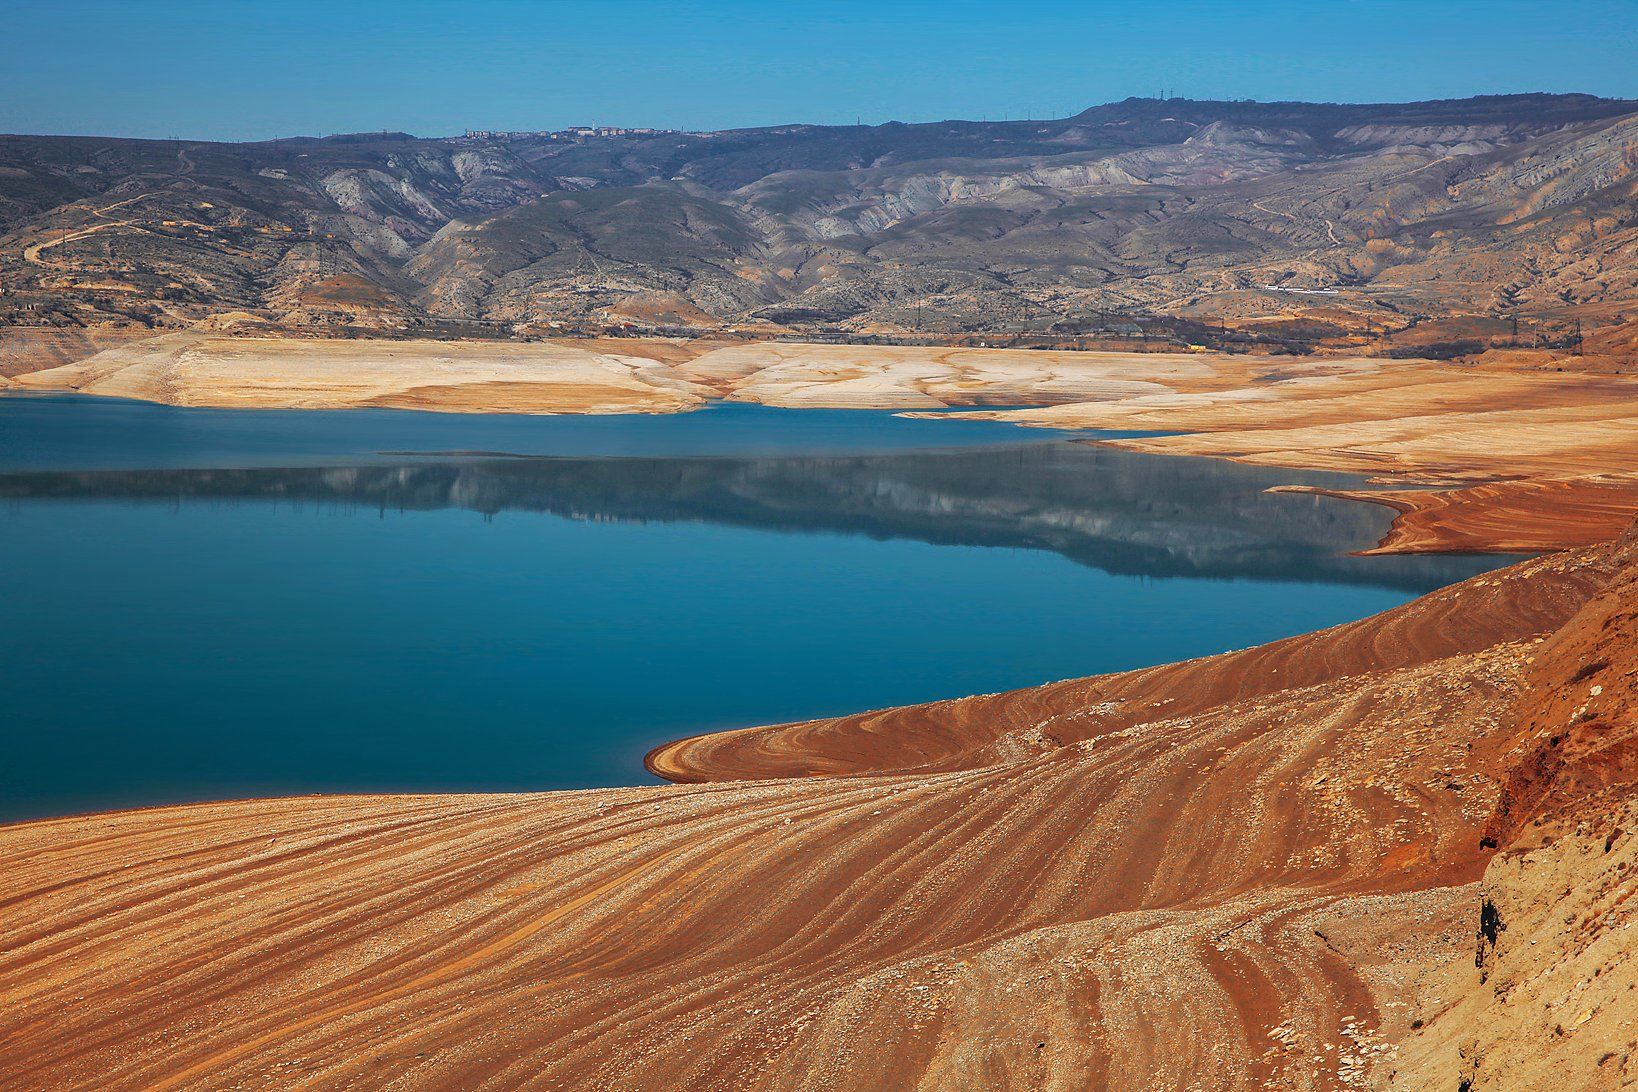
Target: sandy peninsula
1504, 458
205, 369
213, 368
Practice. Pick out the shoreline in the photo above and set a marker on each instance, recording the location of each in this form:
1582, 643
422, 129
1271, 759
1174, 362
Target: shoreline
1004, 799
1278, 852
1485, 445
1525, 517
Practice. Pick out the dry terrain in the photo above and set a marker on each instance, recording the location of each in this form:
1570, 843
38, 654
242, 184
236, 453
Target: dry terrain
1448, 225
1507, 457
202, 369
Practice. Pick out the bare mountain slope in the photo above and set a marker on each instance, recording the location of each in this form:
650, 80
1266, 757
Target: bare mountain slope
1353, 218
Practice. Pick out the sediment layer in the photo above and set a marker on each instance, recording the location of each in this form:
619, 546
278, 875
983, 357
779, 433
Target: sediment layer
203, 369
1521, 516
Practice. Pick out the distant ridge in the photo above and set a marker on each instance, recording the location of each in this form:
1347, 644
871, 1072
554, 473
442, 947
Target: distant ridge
1162, 210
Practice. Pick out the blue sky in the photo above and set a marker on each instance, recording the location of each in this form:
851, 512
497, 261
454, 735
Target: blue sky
228, 69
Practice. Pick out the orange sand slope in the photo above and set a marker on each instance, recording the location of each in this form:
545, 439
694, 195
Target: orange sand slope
1546, 1002
1520, 516
1520, 459
1254, 870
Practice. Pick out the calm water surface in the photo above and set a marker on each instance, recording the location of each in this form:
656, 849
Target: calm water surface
203, 604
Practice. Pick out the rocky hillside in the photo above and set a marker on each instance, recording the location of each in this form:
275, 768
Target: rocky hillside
1286, 219
1546, 1002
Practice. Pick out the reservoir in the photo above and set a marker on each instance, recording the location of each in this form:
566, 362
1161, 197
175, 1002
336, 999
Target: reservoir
208, 604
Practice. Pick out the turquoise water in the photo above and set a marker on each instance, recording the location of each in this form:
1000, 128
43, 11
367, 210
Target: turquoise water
207, 604
70, 431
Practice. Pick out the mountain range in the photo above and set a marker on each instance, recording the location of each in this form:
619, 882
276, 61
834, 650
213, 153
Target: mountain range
1492, 217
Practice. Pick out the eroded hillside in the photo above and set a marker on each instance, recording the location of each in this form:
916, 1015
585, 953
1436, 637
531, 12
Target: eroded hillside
1269, 867
1281, 220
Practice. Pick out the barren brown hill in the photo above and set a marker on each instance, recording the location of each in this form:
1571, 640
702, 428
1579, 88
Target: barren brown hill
1547, 1000
1440, 227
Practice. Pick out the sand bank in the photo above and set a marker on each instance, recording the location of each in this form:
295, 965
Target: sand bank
202, 369
1510, 458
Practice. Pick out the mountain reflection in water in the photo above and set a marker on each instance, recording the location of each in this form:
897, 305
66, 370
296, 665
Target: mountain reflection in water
1122, 512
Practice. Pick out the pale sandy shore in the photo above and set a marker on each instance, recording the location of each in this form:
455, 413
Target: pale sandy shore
204, 369
201, 368
1502, 458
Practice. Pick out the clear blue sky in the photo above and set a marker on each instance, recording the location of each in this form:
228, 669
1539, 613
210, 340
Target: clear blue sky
234, 69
